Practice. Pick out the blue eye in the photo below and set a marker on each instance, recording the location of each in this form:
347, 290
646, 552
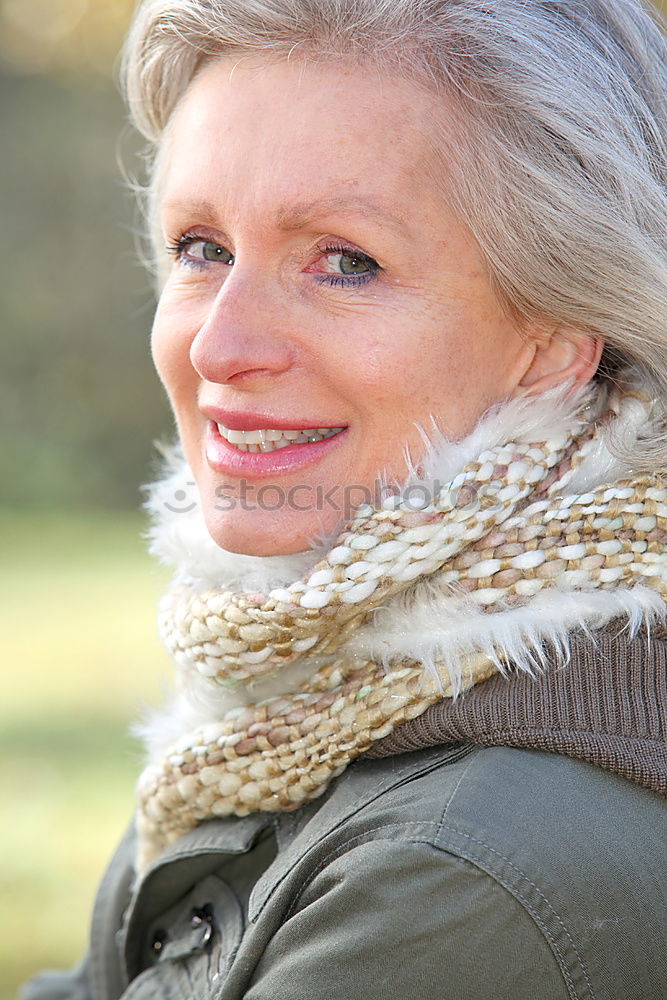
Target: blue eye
340, 266
192, 249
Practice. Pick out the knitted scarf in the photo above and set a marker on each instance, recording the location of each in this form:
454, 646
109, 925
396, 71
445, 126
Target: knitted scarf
539, 529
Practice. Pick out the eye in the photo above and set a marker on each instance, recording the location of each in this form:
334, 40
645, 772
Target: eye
347, 263
207, 250
193, 249
340, 265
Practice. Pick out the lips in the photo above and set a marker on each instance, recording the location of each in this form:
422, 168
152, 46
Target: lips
251, 421
255, 458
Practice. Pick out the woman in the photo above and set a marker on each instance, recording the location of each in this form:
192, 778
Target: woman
411, 324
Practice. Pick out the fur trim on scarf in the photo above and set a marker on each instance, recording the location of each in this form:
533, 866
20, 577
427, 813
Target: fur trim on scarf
423, 623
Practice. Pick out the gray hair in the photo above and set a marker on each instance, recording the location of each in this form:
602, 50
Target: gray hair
556, 158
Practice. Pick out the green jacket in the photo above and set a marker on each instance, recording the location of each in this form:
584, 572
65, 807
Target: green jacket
457, 872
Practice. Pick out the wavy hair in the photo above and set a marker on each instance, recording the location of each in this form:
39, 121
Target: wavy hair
555, 157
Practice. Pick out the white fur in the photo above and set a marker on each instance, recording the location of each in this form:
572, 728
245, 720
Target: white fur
439, 630
180, 539
524, 420
425, 624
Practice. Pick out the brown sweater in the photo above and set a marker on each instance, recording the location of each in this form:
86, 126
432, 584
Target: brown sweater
607, 705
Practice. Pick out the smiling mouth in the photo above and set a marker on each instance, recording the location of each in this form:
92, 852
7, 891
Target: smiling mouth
272, 440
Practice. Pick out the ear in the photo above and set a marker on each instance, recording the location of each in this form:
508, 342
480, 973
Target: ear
561, 355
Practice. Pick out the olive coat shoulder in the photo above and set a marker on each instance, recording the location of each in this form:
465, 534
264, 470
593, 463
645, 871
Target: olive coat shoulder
454, 872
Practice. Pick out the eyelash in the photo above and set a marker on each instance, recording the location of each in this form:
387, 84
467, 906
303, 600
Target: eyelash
177, 248
348, 280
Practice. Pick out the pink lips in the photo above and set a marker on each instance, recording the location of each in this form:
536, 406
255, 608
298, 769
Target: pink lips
224, 458
255, 421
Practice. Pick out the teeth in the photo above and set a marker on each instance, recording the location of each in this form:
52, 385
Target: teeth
272, 440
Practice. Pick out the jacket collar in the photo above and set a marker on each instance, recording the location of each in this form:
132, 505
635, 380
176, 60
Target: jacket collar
607, 706
203, 850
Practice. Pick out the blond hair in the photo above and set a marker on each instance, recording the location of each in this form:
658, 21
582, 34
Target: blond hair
556, 158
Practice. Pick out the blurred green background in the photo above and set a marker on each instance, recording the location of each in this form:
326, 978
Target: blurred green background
79, 409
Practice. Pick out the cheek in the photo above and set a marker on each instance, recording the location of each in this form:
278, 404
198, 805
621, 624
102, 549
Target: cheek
447, 359
174, 328
412, 361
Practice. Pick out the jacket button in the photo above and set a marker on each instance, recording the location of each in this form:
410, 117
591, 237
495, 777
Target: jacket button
203, 916
159, 941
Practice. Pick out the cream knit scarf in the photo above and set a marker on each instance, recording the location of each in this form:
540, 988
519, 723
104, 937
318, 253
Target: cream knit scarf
540, 519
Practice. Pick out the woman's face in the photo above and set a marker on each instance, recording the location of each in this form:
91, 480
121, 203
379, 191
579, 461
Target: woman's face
320, 288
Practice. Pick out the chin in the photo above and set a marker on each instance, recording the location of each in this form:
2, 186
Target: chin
262, 535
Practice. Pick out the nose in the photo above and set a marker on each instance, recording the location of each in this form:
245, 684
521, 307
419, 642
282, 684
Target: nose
242, 340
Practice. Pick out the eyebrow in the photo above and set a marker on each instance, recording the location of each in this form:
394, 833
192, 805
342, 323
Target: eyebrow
300, 214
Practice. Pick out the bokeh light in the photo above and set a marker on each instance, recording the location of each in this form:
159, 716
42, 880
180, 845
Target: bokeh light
69, 37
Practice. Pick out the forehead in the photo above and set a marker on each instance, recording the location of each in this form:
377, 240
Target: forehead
327, 131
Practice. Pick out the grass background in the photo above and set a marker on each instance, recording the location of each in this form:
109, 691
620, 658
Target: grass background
79, 655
